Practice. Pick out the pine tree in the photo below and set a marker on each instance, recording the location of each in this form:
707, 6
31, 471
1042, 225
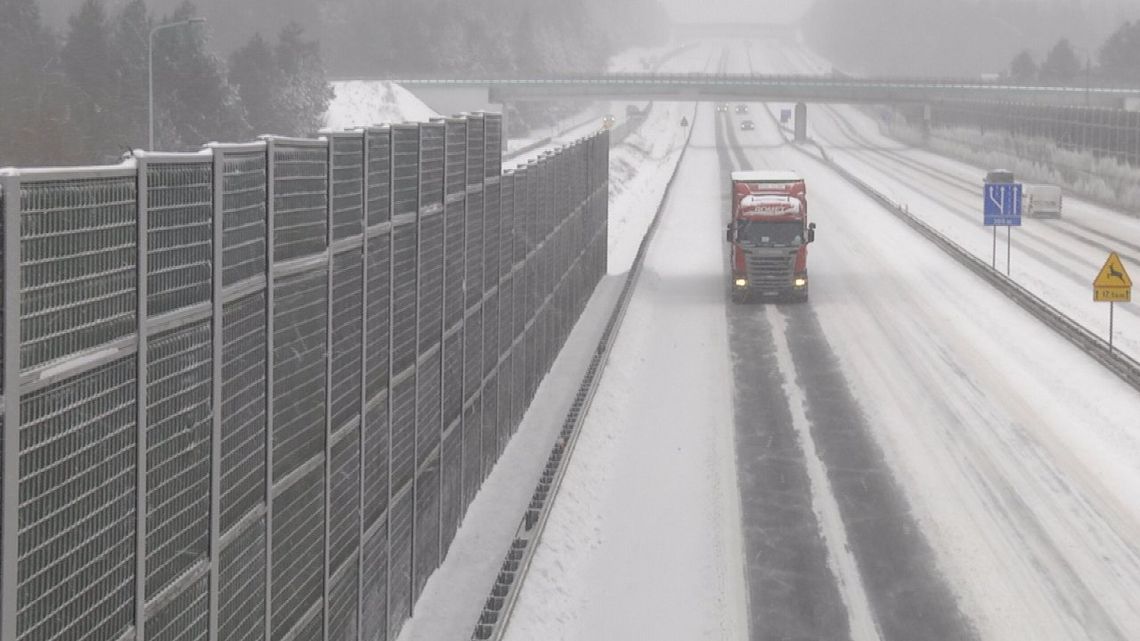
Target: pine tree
194, 103
90, 70
305, 92
253, 71
1120, 55
1061, 64
1023, 68
33, 126
132, 24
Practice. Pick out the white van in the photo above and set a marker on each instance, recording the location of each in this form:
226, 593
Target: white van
1041, 201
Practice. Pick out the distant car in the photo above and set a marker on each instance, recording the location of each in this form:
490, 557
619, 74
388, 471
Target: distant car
608, 122
747, 125
1042, 201
741, 109
722, 108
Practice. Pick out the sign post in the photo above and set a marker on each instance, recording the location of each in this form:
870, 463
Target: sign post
1002, 208
1112, 285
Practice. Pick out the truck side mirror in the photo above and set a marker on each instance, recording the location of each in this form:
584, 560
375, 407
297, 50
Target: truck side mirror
811, 233
729, 234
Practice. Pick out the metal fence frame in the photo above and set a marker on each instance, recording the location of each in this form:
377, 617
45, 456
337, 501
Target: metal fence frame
235, 323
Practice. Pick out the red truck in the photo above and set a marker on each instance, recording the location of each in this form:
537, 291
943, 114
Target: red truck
769, 235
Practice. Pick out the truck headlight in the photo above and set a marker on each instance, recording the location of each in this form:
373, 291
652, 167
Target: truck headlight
801, 282
742, 282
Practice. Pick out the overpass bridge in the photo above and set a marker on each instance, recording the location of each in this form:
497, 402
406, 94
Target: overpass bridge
768, 88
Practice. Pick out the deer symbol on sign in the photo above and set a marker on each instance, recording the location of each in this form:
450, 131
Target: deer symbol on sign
1112, 273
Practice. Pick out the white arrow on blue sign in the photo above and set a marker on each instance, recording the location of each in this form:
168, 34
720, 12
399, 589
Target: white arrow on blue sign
1002, 205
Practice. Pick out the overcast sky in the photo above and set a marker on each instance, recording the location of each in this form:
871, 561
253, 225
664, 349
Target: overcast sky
733, 10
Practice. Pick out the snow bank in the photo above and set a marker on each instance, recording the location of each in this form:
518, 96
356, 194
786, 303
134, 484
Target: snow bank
360, 103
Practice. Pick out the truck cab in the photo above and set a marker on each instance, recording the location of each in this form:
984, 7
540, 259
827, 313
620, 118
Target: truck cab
769, 234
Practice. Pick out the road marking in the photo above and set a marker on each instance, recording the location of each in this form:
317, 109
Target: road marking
860, 616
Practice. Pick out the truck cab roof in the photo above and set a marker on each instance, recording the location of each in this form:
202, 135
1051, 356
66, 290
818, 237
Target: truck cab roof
766, 176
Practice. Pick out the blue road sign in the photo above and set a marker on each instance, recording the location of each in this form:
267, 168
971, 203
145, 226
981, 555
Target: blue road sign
785, 116
1002, 207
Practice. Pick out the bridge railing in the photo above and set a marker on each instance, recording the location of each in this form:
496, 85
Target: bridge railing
249, 393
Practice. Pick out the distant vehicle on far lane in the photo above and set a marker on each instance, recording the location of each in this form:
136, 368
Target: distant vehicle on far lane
722, 108
608, 122
1041, 201
747, 125
741, 109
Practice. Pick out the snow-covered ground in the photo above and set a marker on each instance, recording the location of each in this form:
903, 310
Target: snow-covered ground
360, 103
1018, 453
644, 538
455, 593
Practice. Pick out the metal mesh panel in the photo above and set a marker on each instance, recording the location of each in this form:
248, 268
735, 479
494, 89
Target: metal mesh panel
431, 280
78, 266
473, 353
347, 331
451, 498
375, 463
77, 512
342, 608
405, 169
493, 149
374, 584
378, 313
344, 501
506, 218
490, 333
428, 418
185, 618
519, 397
313, 630
519, 217
456, 181
403, 433
403, 298
431, 164
506, 426
300, 201
243, 407
453, 260
178, 415
379, 176
348, 186
475, 155
243, 216
452, 378
298, 550
492, 210
298, 370
490, 437
506, 311
180, 236
473, 472
474, 250
241, 599
400, 564
426, 557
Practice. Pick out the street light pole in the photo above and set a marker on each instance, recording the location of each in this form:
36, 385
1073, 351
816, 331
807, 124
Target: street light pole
150, 72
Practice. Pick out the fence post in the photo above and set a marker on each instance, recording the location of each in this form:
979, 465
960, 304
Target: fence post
330, 150
270, 188
9, 577
217, 325
365, 157
140, 407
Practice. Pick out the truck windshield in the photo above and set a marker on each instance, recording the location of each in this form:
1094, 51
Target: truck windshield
770, 233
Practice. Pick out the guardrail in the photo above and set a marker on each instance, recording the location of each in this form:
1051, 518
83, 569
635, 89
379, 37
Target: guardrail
500, 603
1124, 366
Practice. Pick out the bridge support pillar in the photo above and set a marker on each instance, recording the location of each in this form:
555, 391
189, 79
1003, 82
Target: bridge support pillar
926, 122
801, 122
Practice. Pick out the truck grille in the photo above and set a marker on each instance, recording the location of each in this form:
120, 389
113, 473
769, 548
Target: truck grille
768, 271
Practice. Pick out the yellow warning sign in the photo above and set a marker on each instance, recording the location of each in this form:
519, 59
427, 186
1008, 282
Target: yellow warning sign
1112, 284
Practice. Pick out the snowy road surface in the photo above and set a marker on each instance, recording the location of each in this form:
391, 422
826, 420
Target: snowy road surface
917, 457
